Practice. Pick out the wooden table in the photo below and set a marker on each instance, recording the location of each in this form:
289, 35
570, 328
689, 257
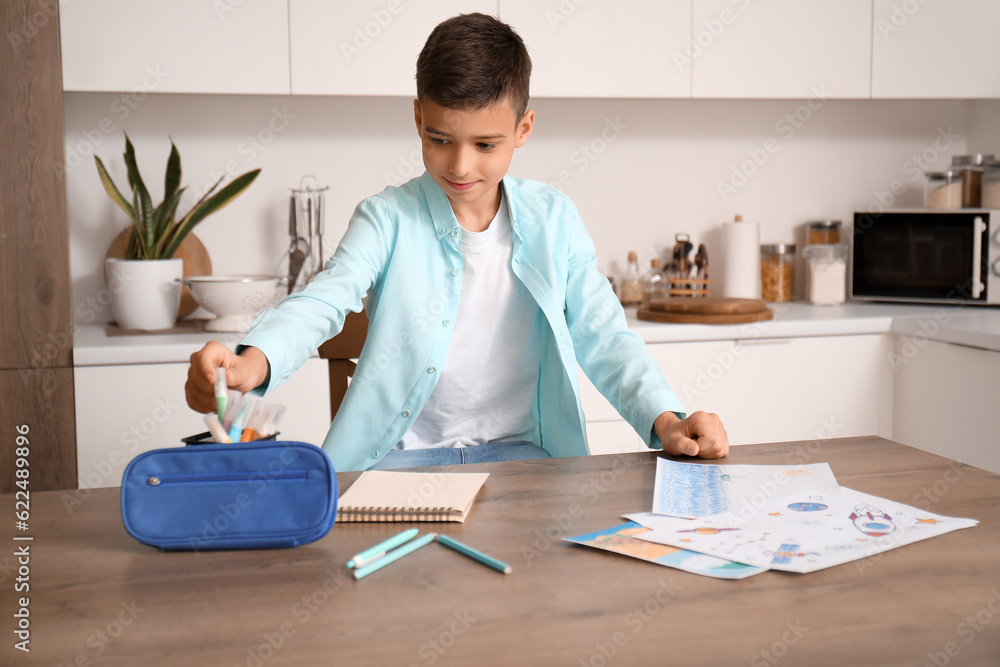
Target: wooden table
99, 597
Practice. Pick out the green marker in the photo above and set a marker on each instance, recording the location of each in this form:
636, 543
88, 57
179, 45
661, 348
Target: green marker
488, 561
394, 555
379, 550
221, 392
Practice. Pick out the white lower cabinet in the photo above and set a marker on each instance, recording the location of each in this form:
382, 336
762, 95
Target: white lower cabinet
122, 411
946, 400
768, 390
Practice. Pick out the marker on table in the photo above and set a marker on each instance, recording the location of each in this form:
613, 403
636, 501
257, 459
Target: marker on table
489, 561
395, 555
380, 549
221, 392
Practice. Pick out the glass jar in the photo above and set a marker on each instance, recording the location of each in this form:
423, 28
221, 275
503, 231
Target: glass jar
823, 231
971, 168
777, 272
991, 186
630, 288
654, 287
943, 189
826, 273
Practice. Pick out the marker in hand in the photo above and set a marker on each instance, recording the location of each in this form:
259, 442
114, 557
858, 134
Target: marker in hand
221, 392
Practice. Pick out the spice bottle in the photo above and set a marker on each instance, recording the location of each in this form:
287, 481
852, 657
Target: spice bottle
826, 273
943, 189
630, 289
777, 272
823, 231
971, 168
653, 284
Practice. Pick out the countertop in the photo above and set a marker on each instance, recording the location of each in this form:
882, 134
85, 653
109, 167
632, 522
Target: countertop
974, 326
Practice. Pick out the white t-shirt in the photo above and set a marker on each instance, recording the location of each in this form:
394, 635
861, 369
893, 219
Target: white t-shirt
486, 391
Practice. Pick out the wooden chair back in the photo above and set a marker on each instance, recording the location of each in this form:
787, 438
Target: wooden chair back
340, 351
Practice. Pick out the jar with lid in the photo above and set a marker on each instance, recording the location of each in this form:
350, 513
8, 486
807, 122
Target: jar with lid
630, 288
991, 186
943, 189
971, 168
826, 273
653, 284
777, 272
823, 231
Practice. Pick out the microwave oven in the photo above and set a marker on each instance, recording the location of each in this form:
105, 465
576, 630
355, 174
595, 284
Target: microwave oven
926, 256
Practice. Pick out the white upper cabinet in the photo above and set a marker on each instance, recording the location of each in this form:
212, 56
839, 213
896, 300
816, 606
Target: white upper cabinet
936, 49
365, 47
782, 48
605, 48
181, 46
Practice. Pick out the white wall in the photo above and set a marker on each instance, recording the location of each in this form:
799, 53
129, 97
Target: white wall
653, 167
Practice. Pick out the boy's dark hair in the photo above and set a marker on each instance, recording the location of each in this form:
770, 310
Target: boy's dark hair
472, 61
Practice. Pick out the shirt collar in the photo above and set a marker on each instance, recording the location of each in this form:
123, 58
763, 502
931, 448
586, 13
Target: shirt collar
445, 223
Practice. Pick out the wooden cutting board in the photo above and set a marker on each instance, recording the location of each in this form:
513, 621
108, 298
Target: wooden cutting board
706, 310
191, 250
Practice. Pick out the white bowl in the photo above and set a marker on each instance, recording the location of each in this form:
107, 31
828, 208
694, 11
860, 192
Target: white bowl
235, 300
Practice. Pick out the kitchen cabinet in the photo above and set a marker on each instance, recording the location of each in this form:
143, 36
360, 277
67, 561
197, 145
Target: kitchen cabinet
123, 411
935, 49
946, 400
771, 389
182, 46
368, 47
604, 48
781, 49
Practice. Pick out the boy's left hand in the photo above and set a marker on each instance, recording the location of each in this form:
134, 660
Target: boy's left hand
700, 434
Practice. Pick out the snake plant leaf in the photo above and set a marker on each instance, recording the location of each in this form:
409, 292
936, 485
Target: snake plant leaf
145, 203
112, 189
206, 208
172, 179
166, 224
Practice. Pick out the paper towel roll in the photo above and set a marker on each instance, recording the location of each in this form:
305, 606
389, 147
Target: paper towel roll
741, 259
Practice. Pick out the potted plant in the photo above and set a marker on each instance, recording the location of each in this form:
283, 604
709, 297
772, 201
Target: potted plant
146, 283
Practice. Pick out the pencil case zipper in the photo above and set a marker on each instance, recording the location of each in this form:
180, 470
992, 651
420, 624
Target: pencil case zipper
256, 476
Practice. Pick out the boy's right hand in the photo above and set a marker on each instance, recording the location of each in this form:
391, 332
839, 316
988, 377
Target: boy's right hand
243, 373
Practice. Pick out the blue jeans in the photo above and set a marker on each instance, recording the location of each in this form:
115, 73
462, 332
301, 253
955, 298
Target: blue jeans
488, 453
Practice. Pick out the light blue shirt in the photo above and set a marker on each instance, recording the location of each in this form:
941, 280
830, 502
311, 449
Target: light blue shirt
401, 249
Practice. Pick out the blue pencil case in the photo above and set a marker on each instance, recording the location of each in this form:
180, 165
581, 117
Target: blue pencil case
263, 495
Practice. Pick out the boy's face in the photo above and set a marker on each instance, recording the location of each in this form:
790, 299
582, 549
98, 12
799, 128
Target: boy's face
467, 153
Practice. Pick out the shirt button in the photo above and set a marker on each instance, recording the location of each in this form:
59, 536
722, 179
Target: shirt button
454, 272
454, 232
441, 230
375, 454
431, 369
445, 323
406, 413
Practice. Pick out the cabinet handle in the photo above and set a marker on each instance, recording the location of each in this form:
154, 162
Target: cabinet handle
978, 227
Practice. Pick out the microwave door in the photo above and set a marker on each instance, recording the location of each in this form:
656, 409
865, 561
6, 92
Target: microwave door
919, 257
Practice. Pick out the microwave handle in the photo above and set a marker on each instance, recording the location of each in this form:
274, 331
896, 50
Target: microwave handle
978, 227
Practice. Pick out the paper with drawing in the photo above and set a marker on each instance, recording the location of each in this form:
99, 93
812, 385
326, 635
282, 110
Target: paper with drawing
692, 490
807, 531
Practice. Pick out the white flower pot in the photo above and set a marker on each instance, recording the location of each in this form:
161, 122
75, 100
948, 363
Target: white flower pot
145, 293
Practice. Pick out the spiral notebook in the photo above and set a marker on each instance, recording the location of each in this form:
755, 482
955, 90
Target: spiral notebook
385, 495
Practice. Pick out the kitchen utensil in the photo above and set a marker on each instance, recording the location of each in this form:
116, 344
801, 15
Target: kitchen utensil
305, 227
235, 300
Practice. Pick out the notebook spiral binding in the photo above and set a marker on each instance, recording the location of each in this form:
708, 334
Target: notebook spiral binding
393, 514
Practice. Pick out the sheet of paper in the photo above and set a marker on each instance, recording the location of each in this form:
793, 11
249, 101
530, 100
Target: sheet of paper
692, 490
621, 540
807, 531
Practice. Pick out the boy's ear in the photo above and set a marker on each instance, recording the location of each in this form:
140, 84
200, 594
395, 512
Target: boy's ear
524, 128
416, 114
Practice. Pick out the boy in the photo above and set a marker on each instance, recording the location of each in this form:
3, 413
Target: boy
482, 293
